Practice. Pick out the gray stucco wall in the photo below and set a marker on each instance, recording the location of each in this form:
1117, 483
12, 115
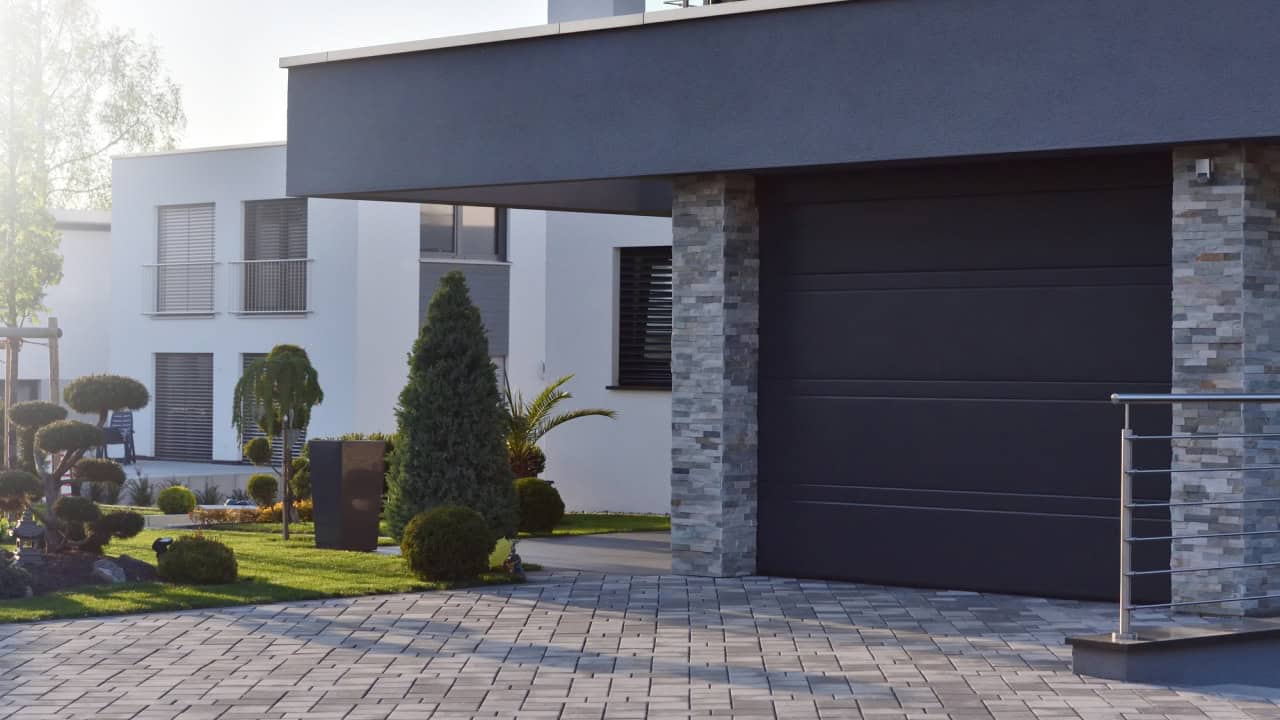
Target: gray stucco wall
490, 288
849, 82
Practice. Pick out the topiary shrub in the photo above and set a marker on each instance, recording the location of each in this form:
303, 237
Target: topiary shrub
450, 448
541, 508
100, 470
14, 581
18, 488
176, 500
264, 489
122, 525
447, 543
258, 451
196, 560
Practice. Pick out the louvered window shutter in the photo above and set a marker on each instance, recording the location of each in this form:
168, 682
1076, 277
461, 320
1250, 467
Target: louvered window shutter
644, 317
184, 406
185, 255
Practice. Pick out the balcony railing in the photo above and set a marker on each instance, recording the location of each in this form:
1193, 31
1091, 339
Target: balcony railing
182, 288
271, 287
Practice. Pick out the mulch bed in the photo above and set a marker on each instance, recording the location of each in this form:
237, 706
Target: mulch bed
63, 571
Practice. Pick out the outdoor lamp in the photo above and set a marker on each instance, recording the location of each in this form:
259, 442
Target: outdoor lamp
161, 546
30, 537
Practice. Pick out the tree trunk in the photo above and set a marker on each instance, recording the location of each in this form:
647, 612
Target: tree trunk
286, 507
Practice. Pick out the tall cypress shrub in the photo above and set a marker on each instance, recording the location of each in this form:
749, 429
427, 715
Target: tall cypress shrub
450, 448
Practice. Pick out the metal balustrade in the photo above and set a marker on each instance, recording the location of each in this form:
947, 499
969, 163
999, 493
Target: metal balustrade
179, 288
271, 287
1128, 474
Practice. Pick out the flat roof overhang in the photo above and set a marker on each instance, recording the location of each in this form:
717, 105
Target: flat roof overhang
594, 115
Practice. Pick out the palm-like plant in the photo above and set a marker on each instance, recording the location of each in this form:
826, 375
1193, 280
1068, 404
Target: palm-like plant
280, 390
528, 422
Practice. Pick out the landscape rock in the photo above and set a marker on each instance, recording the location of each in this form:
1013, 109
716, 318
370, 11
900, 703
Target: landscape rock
108, 571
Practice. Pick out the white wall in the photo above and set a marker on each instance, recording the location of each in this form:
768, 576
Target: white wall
228, 178
596, 463
80, 302
387, 310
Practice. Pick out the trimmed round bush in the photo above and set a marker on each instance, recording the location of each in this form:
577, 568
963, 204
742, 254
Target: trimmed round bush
195, 560
258, 451
36, 414
100, 470
264, 489
18, 487
14, 581
68, 435
176, 500
541, 508
447, 543
76, 510
100, 394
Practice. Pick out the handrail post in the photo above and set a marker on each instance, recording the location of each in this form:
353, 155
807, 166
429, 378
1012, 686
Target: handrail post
1125, 630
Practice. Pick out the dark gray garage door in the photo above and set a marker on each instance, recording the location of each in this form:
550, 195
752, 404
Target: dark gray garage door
937, 347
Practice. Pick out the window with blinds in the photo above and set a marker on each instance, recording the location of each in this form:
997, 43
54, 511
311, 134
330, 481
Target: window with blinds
251, 429
184, 281
644, 317
275, 256
184, 406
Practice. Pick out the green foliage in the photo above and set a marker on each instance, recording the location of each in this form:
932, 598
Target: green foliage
449, 542
141, 493
102, 394
209, 495
18, 488
68, 436
76, 510
526, 461
528, 422
176, 500
541, 508
300, 479
264, 489
35, 414
195, 560
121, 525
14, 581
258, 451
100, 470
451, 424
73, 514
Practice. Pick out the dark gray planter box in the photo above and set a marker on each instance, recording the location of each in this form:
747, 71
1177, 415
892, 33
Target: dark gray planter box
346, 489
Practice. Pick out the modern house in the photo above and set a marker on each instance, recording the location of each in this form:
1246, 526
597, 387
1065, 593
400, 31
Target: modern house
916, 246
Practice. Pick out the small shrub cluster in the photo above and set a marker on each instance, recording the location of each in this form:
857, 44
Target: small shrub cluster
196, 560
447, 543
14, 581
176, 500
275, 513
224, 516
541, 508
264, 489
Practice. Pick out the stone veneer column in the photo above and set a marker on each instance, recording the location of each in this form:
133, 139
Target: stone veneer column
714, 346
1226, 338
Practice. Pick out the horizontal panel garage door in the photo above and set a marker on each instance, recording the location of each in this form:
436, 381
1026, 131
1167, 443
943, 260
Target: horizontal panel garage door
937, 347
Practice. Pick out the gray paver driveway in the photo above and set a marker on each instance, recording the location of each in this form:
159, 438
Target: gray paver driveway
590, 646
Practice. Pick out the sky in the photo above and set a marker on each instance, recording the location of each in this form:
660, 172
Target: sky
225, 54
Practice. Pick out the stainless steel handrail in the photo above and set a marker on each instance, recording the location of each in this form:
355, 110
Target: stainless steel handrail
1128, 473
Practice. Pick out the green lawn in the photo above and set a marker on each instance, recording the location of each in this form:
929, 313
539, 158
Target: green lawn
270, 571
600, 523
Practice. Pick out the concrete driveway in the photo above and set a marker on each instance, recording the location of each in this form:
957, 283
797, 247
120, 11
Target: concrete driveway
570, 645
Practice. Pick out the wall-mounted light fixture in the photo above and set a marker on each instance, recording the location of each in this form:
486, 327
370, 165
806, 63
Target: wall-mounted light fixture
1204, 171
